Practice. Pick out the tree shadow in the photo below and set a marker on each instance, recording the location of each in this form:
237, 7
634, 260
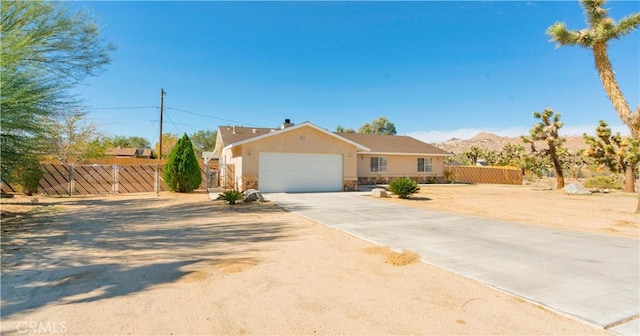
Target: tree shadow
88, 254
86, 284
419, 198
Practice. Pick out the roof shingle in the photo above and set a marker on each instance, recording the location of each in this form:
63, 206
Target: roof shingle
376, 142
379, 143
233, 134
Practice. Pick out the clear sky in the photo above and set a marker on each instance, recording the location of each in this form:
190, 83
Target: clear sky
435, 69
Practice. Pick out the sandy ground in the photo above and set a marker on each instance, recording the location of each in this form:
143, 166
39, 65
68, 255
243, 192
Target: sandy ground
182, 264
611, 213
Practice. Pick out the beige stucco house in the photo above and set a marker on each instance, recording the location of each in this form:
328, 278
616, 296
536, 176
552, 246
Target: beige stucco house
307, 158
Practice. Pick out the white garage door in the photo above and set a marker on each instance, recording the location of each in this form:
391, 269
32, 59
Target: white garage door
286, 172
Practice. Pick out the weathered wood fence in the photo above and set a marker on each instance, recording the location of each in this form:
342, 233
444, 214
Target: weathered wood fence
99, 179
488, 175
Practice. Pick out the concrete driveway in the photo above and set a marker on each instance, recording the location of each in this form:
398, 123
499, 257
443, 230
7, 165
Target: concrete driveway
593, 277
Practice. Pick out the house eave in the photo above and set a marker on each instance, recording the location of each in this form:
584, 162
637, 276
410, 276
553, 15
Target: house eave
406, 154
359, 147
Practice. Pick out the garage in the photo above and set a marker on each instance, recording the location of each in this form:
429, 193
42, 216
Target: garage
296, 172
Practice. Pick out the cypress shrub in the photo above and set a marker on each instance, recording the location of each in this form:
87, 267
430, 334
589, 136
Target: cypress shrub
182, 172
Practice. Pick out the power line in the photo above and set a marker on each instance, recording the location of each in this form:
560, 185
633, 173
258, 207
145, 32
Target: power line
170, 108
121, 107
174, 124
208, 116
194, 126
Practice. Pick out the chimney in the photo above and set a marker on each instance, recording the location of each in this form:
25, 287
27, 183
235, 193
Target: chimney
287, 123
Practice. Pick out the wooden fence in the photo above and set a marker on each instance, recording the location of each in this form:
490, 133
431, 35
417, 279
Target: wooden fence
123, 161
98, 179
113, 179
488, 175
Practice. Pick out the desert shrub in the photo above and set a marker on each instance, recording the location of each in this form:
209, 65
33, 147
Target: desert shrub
404, 187
449, 176
602, 182
182, 172
28, 174
231, 196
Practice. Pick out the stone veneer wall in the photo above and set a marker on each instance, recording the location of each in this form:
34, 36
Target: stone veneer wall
350, 185
368, 180
249, 182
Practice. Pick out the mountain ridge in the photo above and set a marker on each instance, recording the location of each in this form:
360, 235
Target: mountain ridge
491, 141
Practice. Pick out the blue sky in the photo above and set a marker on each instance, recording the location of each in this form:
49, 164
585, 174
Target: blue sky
435, 69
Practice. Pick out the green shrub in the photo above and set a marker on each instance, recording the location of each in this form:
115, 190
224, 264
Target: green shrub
231, 196
29, 174
404, 187
602, 182
182, 172
449, 176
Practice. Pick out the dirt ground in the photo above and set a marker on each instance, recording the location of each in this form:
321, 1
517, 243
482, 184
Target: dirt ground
610, 213
182, 264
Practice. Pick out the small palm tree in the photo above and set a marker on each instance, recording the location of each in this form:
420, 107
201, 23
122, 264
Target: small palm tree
601, 29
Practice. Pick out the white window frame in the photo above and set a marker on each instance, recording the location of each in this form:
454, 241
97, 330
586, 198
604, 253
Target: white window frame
380, 163
426, 166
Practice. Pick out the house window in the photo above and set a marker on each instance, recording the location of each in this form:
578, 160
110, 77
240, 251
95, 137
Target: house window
378, 164
425, 165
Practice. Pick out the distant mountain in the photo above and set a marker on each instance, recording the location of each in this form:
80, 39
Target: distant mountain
492, 141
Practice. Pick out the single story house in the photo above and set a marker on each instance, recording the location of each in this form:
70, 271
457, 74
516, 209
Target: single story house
308, 158
141, 153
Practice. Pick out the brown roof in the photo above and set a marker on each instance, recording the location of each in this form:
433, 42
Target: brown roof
233, 134
393, 144
376, 142
122, 151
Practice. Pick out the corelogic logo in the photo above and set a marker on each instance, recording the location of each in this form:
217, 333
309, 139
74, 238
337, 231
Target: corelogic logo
39, 327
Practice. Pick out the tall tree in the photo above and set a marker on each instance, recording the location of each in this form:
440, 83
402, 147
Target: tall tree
46, 49
182, 172
378, 126
98, 147
547, 130
618, 153
203, 141
169, 140
130, 142
71, 137
341, 129
600, 30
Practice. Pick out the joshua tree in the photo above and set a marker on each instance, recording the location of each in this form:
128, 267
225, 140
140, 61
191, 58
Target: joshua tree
511, 155
601, 29
547, 130
617, 153
473, 154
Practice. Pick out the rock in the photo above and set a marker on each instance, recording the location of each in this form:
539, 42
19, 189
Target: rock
252, 195
379, 192
576, 189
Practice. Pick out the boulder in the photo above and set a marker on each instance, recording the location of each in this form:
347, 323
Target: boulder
252, 195
379, 192
576, 189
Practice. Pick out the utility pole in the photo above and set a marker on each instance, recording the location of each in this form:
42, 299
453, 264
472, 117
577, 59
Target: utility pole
162, 93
